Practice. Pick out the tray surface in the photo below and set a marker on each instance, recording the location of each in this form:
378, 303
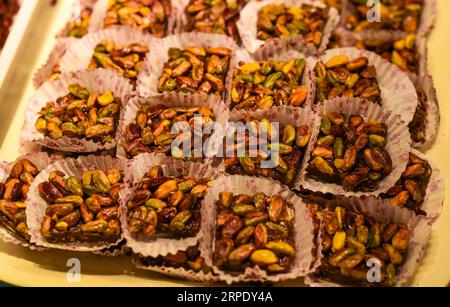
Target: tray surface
21, 266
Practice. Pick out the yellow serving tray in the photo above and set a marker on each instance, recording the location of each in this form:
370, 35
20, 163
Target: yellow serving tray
28, 47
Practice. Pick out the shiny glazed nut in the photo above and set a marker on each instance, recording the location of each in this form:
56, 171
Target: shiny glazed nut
342, 77
195, 70
350, 152
81, 209
356, 239
261, 85
293, 142
156, 127
262, 235
80, 28
166, 206
149, 16
82, 115
279, 21
13, 196
125, 60
219, 16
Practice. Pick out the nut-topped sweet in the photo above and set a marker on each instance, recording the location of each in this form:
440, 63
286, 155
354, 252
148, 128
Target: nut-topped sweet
156, 127
125, 60
195, 70
410, 190
81, 114
396, 15
149, 16
353, 242
80, 28
290, 147
190, 260
13, 196
163, 206
254, 230
280, 21
219, 16
402, 52
261, 85
350, 152
82, 209
342, 77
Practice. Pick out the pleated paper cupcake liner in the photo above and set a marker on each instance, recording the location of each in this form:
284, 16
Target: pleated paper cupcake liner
40, 160
99, 80
277, 52
80, 53
247, 25
303, 228
178, 273
398, 144
45, 72
219, 109
153, 67
420, 232
397, 91
138, 167
101, 9
37, 205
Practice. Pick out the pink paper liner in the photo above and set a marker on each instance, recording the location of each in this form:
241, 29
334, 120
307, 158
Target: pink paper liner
398, 144
178, 273
419, 235
76, 10
154, 65
44, 73
303, 228
433, 117
397, 91
435, 193
284, 116
219, 109
135, 171
79, 54
40, 160
349, 39
277, 52
100, 80
101, 8
249, 17
37, 206
427, 18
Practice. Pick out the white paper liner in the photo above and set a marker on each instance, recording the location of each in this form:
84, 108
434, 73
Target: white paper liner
435, 193
427, 19
101, 8
219, 109
178, 273
420, 231
397, 91
77, 7
303, 228
44, 73
40, 160
433, 117
397, 145
136, 170
99, 80
247, 25
153, 67
277, 52
37, 205
284, 116
80, 53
